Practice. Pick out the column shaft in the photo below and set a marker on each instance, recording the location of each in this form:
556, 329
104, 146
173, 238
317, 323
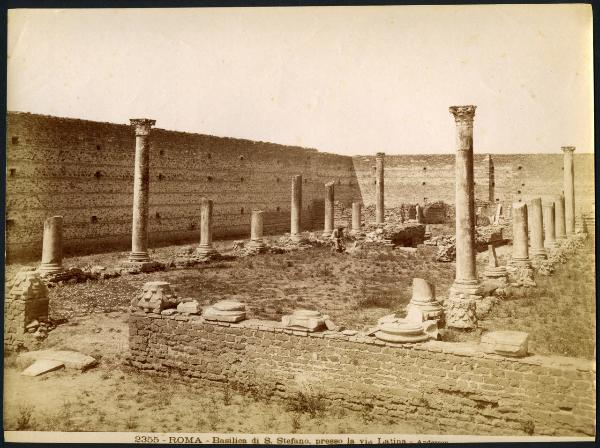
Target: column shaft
141, 191
356, 216
329, 199
520, 233
296, 210
559, 214
537, 229
256, 225
206, 217
569, 189
379, 204
52, 245
549, 226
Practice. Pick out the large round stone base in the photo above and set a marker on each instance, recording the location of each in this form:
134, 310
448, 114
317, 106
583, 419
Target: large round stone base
460, 313
401, 331
539, 254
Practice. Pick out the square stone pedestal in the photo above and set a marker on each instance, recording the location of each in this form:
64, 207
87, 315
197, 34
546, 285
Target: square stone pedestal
135, 267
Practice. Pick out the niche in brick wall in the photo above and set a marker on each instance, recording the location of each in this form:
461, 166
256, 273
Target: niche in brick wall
519, 167
522, 185
192, 226
209, 178
15, 140
157, 216
161, 152
160, 176
208, 156
98, 174
242, 158
518, 191
278, 180
10, 223
12, 172
242, 211
94, 219
241, 179
278, 209
423, 183
98, 147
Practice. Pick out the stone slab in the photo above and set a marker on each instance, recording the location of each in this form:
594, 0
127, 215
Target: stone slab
71, 359
42, 366
505, 343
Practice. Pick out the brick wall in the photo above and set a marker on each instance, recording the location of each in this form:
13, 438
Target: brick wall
83, 170
448, 387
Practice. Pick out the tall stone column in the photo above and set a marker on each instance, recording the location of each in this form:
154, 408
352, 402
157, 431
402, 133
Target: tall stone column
569, 189
356, 216
206, 248
256, 230
379, 204
559, 215
537, 229
520, 249
460, 311
329, 198
52, 246
141, 190
296, 211
549, 226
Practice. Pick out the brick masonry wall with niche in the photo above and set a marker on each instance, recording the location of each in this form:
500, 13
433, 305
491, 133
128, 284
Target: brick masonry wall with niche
83, 170
449, 387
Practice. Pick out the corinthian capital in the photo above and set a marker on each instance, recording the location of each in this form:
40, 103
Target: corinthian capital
142, 125
463, 114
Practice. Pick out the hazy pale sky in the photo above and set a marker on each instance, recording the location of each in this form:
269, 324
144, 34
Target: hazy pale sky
349, 80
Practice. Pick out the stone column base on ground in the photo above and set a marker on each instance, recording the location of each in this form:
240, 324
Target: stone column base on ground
256, 246
460, 313
496, 274
539, 254
206, 251
521, 272
470, 289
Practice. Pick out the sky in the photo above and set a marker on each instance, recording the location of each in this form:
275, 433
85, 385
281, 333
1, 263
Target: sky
347, 80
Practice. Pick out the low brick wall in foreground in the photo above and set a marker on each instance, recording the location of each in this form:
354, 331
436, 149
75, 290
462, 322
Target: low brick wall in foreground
447, 387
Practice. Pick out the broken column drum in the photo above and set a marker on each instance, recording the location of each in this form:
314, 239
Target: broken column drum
537, 229
206, 213
520, 254
141, 189
466, 282
549, 226
329, 198
52, 246
423, 305
379, 204
296, 210
569, 189
559, 217
256, 229
356, 216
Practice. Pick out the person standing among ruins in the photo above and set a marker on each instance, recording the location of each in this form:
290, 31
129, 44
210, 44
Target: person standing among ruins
337, 238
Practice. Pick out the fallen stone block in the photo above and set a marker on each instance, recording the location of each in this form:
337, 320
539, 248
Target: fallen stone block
505, 343
42, 366
191, 307
70, 359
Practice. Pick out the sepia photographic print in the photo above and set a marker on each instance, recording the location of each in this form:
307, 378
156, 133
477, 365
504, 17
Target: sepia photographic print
300, 225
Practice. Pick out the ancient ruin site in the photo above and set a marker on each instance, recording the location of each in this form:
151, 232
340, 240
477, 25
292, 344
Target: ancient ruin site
161, 281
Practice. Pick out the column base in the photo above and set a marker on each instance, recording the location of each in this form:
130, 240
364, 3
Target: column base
206, 251
139, 257
256, 246
550, 244
460, 313
296, 237
469, 289
540, 254
49, 268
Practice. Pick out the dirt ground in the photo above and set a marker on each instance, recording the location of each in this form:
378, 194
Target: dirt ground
354, 291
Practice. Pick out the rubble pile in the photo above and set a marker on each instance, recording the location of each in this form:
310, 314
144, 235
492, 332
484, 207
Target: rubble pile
447, 243
391, 234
